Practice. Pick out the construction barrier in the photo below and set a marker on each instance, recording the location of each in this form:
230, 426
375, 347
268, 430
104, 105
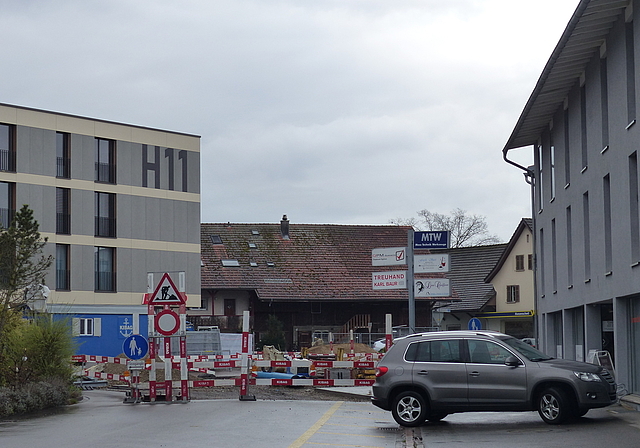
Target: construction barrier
320, 370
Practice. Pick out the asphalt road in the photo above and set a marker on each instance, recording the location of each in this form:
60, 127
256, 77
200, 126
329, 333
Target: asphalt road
103, 421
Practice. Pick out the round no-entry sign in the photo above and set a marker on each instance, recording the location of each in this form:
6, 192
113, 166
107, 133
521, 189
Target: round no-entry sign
167, 322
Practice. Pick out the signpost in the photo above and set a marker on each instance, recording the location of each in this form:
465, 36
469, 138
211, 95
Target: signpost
428, 287
475, 324
163, 326
389, 256
431, 239
431, 263
135, 346
389, 280
432, 287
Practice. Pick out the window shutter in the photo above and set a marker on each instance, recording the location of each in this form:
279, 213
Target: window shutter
97, 326
75, 326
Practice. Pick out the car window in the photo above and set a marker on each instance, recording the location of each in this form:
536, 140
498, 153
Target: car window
525, 350
487, 352
434, 351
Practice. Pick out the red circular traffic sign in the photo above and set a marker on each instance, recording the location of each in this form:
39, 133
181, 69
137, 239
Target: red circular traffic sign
167, 322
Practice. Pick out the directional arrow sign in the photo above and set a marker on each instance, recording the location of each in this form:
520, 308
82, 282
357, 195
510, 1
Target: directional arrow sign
166, 293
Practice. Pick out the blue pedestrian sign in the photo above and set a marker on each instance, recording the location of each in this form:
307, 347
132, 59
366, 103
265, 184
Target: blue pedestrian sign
431, 239
474, 324
135, 346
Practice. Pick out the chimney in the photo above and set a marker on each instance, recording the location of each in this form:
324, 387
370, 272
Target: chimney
284, 227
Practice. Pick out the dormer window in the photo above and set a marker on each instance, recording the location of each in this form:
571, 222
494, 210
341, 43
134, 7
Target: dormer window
253, 264
271, 264
253, 246
255, 232
230, 263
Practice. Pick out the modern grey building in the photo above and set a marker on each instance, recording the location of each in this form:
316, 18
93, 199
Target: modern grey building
117, 202
581, 123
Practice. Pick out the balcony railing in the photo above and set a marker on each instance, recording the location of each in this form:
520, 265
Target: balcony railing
105, 172
63, 223
6, 216
7, 160
105, 227
62, 279
105, 281
63, 167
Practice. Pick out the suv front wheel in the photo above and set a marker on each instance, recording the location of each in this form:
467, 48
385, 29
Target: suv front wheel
409, 409
554, 406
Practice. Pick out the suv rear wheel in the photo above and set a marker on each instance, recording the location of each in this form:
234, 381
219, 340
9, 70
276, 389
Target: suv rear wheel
554, 406
409, 409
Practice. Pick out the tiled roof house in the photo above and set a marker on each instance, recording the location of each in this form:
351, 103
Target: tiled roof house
494, 284
316, 278
469, 268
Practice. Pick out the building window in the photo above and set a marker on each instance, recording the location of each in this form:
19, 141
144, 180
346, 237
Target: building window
530, 261
7, 204
7, 148
540, 263
569, 237
63, 155
62, 267
63, 215
519, 262
86, 327
583, 127
608, 251
105, 161
216, 239
631, 73
105, 215
586, 235
105, 276
634, 207
567, 151
604, 103
554, 256
552, 160
513, 293
540, 182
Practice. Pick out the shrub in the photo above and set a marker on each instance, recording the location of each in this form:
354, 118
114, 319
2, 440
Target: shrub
36, 350
33, 397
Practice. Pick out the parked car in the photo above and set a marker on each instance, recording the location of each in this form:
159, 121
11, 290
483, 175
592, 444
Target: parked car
430, 375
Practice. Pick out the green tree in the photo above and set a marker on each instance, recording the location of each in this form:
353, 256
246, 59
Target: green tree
22, 268
464, 229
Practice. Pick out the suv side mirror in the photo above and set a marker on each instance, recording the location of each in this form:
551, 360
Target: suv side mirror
512, 361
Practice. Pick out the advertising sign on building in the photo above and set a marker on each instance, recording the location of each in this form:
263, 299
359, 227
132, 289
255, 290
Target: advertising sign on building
389, 280
388, 256
431, 239
429, 264
432, 287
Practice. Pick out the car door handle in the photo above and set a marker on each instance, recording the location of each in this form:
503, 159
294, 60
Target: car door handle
474, 373
423, 372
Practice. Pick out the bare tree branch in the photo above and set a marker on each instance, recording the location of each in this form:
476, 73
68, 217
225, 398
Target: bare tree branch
465, 230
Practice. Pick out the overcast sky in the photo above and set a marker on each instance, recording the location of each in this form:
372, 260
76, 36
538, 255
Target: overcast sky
337, 111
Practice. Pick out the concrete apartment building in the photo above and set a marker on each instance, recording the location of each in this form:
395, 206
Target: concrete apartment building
116, 202
581, 123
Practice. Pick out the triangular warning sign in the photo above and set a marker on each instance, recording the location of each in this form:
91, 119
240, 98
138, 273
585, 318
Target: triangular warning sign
166, 293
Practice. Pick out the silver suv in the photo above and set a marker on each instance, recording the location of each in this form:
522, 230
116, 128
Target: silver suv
430, 375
